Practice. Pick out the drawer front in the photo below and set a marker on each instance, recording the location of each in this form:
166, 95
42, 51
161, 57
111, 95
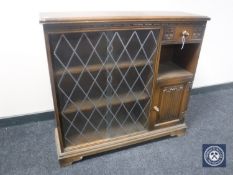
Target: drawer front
174, 33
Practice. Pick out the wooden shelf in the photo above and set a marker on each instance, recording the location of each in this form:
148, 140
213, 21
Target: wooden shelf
102, 102
92, 138
96, 67
170, 70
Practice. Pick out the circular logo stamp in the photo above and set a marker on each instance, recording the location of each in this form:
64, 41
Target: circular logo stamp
214, 156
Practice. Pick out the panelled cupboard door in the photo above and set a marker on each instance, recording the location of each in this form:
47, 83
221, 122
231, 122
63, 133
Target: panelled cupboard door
171, 103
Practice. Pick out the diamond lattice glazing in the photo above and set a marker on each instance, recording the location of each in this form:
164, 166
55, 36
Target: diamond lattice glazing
104, 82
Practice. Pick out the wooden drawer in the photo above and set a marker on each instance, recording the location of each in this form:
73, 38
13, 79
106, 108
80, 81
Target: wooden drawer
174, 33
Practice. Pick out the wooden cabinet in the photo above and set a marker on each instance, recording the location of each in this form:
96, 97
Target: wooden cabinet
119, 78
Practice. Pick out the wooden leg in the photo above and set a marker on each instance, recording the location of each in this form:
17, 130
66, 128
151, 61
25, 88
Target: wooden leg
69, 161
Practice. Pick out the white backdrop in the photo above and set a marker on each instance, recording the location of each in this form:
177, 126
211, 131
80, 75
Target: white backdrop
24, 79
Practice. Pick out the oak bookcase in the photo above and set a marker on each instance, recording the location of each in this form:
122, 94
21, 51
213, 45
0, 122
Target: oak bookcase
119, 78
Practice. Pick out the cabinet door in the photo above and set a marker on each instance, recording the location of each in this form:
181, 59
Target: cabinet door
104, 82
171, 104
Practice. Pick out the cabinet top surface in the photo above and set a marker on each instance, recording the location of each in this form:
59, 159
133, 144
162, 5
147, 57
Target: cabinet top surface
76, 17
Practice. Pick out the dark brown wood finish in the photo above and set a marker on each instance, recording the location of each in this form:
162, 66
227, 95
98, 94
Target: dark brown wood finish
173, 73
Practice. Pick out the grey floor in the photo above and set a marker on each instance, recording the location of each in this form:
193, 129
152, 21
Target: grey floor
30, 149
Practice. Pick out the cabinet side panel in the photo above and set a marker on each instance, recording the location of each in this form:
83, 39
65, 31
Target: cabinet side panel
185, 99
55, 99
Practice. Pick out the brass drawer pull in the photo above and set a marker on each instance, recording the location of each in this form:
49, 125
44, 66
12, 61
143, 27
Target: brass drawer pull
184, 35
